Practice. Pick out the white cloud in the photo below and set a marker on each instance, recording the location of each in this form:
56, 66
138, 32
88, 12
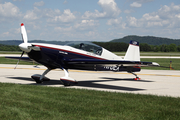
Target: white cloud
128, 11
133, 22
109, 10
149, 17
68, 29
17, 0
143, 1
32, 14
146, 21
65, 2
114, 21
51, 16
17, 30
166, 16
138, 3
116, 24
9, 10
49, 13
5, 33
168, 12
86, 25
41, 3
66, 17
135, 4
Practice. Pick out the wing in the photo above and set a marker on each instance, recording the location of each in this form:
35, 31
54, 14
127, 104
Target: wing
110, 62
22, 59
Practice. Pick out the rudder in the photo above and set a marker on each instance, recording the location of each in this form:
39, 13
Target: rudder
133, 52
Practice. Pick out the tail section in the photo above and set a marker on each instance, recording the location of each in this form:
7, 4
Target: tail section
133, 53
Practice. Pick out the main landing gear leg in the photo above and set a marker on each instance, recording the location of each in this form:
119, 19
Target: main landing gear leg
66, 80
41, 78
137, 78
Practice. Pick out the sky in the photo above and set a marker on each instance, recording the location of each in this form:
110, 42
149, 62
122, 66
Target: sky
89, 20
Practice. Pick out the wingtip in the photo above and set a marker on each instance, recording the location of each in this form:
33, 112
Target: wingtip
155, 64
22, 24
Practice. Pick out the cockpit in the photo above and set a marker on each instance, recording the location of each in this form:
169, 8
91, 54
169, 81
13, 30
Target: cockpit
87, 46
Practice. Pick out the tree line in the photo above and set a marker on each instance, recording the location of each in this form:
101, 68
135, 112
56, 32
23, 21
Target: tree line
116, 47
9, 48
121, 47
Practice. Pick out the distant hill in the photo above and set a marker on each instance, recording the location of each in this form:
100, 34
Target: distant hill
151, 40
148, 39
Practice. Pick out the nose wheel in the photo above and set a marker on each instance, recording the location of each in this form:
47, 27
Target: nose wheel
40, 78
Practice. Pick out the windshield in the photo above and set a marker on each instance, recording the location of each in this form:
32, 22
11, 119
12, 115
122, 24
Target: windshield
86, 46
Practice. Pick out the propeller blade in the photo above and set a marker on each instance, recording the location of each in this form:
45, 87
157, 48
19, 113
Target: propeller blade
24, 33
19, 60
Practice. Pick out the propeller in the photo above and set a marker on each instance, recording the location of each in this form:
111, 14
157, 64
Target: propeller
19, 59
25, 46
24, 33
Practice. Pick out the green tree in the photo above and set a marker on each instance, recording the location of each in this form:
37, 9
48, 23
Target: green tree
145, 47
178, 48
172, 47
164, 48
155, 48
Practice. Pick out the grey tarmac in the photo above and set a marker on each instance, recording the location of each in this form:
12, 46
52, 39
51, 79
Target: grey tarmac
155, 82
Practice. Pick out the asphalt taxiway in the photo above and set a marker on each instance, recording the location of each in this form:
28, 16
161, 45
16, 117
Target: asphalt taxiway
156, 82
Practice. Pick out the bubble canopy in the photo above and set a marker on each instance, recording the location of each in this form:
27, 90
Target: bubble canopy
86, 46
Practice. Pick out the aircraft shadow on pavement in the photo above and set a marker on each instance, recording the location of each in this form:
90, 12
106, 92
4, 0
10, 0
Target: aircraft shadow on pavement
89, 83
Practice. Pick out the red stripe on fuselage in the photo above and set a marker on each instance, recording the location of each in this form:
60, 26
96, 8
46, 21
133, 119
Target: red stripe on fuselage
69, 52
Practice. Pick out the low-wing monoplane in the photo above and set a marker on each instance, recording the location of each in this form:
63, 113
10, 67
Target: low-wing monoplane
82, 56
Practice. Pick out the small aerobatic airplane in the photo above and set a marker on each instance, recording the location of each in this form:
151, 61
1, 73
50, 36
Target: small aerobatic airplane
80, 55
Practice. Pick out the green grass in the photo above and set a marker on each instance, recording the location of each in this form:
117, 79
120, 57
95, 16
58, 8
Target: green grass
163, 62
160, 53
4, 60
10, 52
22, 102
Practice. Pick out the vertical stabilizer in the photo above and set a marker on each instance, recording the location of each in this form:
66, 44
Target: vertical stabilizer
133, 53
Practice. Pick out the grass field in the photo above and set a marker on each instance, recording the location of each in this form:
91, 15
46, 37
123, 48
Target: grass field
29, 102
10, 52
4, 60
163, 62
19, 102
